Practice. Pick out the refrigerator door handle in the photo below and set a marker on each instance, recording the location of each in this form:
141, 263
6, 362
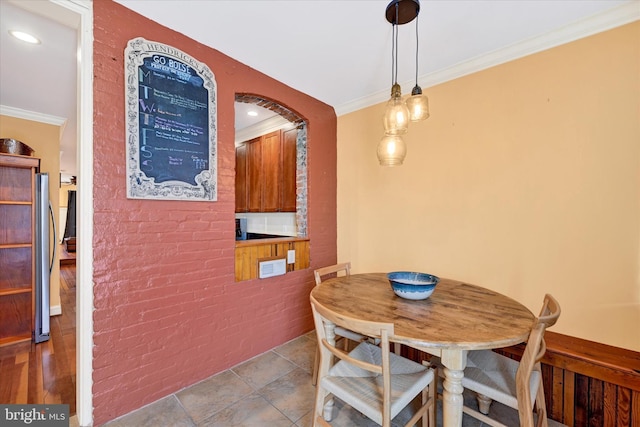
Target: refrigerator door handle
55, 237
42, 267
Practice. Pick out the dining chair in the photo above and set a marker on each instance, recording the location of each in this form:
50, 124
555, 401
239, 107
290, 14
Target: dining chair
344, 268
370, 378
512, 383
346, 335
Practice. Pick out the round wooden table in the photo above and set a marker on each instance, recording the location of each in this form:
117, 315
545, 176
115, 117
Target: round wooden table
456, 318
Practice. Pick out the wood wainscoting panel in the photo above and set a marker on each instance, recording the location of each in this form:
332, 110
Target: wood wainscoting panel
586, 384
566, 396
249, 252
557, 387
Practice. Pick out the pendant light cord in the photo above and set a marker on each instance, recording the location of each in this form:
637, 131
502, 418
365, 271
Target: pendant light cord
394, 50
417, 39
393, 54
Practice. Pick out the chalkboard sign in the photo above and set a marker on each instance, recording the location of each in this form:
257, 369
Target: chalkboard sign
171, 124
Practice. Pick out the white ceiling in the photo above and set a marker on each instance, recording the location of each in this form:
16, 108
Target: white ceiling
336, 51
38, 82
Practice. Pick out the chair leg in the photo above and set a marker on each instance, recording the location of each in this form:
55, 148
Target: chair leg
425, 416
328, 410
483, 403
322, 414
541, 408
316, 365
431, 392
433, 395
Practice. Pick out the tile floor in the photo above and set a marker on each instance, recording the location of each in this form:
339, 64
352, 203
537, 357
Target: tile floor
273, 389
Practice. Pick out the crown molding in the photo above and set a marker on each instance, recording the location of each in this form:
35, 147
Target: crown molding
32, 115
615, 17
269, 125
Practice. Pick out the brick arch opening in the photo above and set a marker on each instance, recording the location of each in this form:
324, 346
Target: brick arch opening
301, 152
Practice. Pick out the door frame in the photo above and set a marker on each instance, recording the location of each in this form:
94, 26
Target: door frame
81, 13
84, 288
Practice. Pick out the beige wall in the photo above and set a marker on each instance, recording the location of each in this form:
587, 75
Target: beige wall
45, 140
525, 180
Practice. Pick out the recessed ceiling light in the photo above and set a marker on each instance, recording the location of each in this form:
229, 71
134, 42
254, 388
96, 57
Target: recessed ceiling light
252, 113
25, 37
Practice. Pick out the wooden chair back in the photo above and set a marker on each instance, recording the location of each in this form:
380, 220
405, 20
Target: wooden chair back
344, 267
533, 352
383, 331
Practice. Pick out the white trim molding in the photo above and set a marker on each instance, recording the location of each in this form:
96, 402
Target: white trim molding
262, 128
55, 310
34, 116
80, 14
84, 286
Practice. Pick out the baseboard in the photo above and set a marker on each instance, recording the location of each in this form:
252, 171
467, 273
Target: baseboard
55, 310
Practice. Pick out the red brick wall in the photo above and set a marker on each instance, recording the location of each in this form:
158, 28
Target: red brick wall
167, 310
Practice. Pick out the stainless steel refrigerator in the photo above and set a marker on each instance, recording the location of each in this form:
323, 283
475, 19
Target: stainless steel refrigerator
45, 222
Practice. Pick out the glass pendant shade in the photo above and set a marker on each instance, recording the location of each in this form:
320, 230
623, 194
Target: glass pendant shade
418, 105
391, 150
396, 115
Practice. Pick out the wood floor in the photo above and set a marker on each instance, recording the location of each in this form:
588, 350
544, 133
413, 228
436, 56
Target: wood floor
45, 372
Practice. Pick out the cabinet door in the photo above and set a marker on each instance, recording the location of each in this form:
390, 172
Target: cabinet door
271, 169
289, 173
241, 179
254, 175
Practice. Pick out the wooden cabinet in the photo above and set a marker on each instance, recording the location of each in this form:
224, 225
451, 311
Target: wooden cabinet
17, 222
254, 175
271, 172
289, 170
241, 178
266, 173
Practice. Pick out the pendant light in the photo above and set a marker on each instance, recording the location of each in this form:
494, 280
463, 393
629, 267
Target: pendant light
392, 149
396, 115
418, 103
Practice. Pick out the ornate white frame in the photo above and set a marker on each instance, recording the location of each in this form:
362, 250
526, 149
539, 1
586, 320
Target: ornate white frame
139, 185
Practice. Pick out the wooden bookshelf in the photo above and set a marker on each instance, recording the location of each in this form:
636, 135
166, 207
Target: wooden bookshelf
17, 269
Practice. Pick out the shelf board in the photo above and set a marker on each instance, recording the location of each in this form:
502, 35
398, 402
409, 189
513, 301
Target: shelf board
15, 245
14, 291
15, 202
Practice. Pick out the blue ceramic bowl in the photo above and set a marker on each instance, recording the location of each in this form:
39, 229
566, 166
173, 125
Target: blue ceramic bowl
412, 285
